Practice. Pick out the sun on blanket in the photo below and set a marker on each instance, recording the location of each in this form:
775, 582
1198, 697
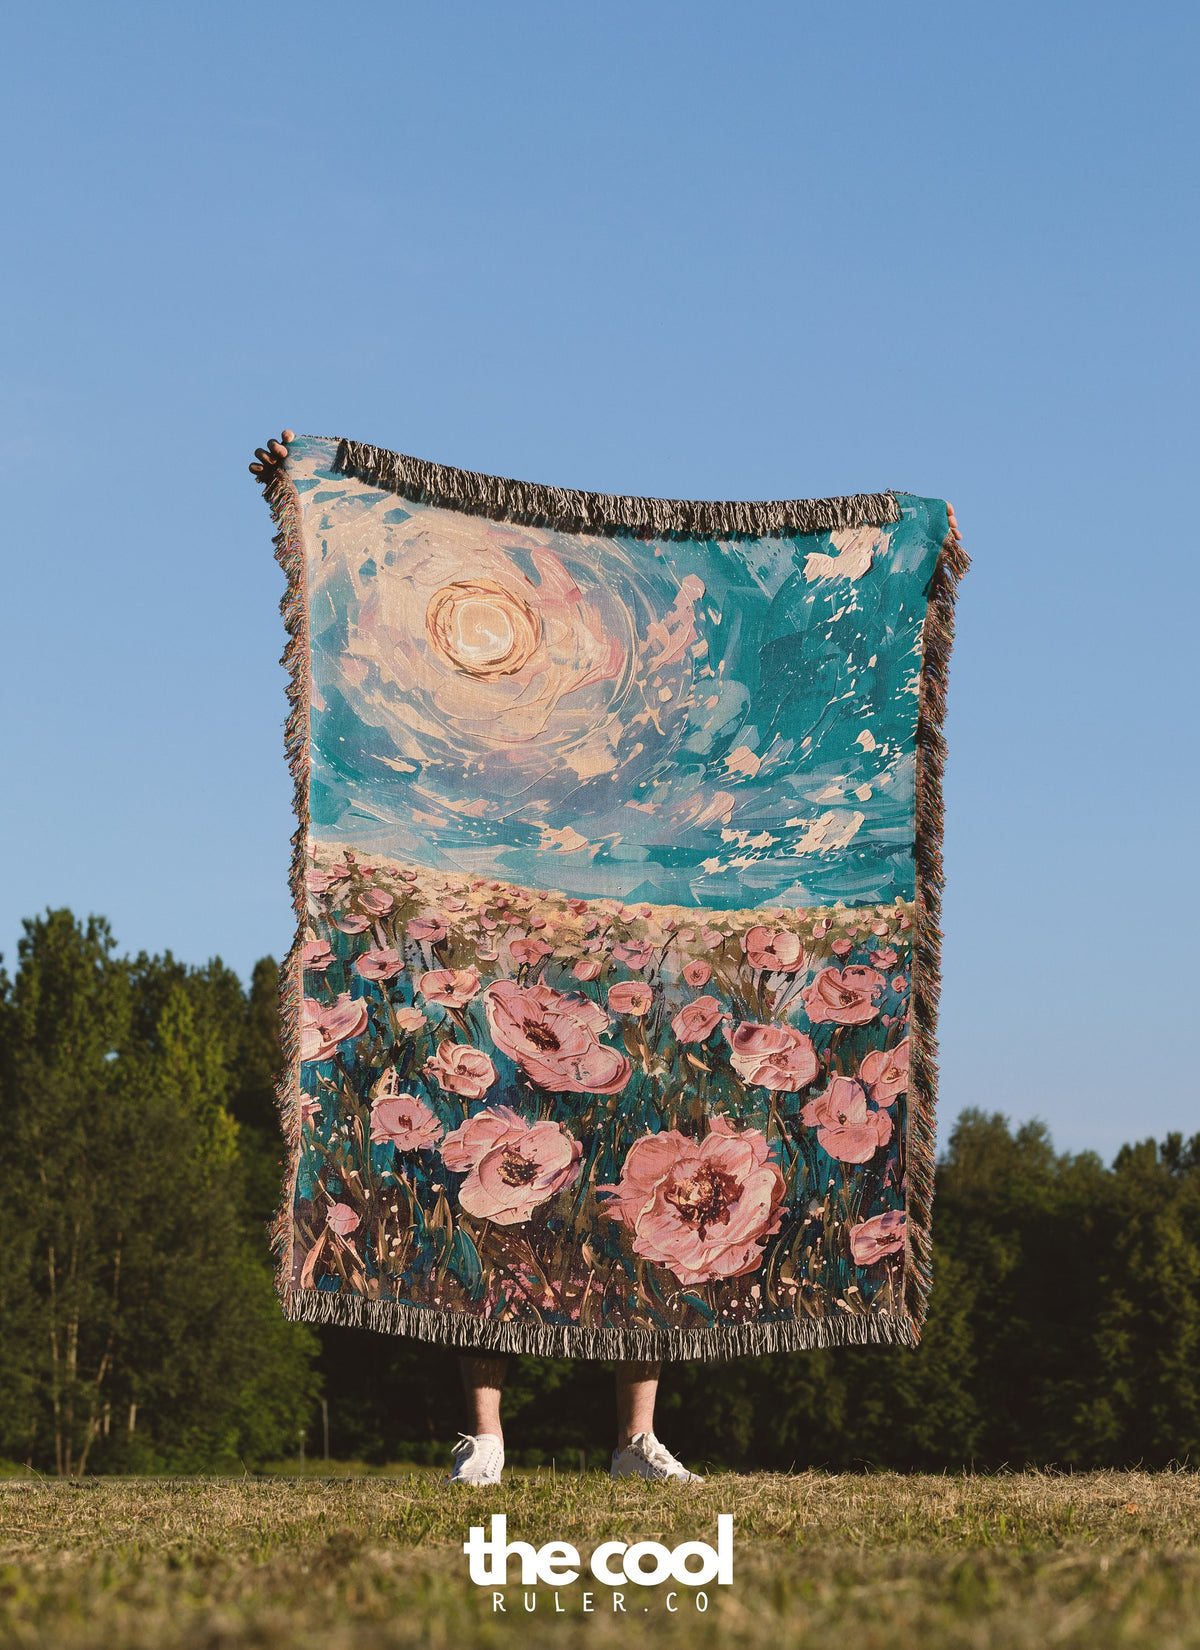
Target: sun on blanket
610, 1018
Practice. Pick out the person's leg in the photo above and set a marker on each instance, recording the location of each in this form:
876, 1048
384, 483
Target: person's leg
483, 1381
637, 1388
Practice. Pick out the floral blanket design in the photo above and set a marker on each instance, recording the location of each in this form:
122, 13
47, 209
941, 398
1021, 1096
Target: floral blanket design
610, 1017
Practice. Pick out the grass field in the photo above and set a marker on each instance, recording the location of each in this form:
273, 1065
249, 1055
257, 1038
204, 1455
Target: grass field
822, 1561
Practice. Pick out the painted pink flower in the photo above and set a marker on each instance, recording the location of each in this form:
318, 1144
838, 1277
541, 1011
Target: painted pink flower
451, 987
697, 974
712, 939
700, 1207
375, 901
530, 951
587, 968
885, 1072
772, 1057
352, 922
577, 907
513, 1166
453, 904
341, 1219
317, 956
845, 1126
696, 1021
842, 947
310, 1108
900, 983
378, 965
429, 929
320, 882
630, 997
780, 952
410, 1019
405, 1121
882, 1235
846, 996
461, 1069
634, 953
324, 1025
884, 959
553, 1037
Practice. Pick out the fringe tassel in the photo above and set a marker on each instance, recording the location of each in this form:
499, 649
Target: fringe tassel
284, 502
567, 1341
603, 513
937, 640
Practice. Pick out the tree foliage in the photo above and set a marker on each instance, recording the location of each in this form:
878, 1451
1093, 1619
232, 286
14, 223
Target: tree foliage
141, 1326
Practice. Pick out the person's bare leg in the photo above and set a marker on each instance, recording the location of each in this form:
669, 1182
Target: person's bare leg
483, 1381
637, 1388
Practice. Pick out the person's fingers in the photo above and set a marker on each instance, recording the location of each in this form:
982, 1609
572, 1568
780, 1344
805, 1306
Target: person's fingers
952, 521
256, 469
278, 448
264, 456
288, 436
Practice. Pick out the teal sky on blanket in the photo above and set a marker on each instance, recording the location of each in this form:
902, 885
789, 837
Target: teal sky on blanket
679, 721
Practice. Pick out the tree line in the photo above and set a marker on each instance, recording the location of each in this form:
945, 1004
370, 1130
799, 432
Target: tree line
141, 1161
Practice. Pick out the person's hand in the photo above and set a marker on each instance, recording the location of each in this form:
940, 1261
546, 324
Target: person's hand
957, 536
270, 457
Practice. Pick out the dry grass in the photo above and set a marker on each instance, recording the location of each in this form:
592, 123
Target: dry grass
1023, 1561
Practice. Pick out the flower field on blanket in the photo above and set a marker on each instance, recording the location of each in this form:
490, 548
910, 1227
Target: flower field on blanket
518, 1105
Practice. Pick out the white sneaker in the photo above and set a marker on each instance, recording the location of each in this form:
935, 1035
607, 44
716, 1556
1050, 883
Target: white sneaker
477, 1460
644, 1457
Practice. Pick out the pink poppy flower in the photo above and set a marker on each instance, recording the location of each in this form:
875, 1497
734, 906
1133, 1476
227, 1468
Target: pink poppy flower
900, 983
882, 1235
696, 1021
320, 882
375, 901
712, 939
587, 968
630, 997
351, 922
461, 1069
697, 974
879, 928
846, 996
449, 904
845, 1127
410, 1019
553, 1037
378, 965
405, 1121
577, 907
324, 1025
530, 951
634, 954
451, 987
885, 1072
884, 959
780, 952
699, 1207
317, 956
341, 1219
842, 947
408, 876
772, 1057
513, 1165
429, 929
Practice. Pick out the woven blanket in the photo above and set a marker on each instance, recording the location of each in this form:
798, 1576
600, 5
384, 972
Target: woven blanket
610, 1019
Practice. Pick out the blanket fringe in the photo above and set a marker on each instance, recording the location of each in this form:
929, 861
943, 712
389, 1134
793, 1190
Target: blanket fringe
606, 514
284, 502
937, 640
569, 1341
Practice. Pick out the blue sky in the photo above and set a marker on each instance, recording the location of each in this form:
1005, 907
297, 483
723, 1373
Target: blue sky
684, 249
